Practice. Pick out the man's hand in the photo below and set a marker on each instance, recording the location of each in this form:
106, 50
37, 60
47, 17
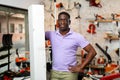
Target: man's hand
76, 68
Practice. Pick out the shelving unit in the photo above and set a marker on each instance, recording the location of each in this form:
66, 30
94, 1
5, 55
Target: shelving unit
103, 21
108, 36
114, 37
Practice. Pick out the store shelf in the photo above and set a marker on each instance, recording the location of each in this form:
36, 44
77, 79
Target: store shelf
96, 66
111, 36
103, 21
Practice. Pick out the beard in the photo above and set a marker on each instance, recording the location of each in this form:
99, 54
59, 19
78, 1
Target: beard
63, 28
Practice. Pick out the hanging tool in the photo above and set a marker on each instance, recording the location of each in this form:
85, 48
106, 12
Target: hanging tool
113, 18
77, 6
50, 7
105, 53
95, 3
68, 8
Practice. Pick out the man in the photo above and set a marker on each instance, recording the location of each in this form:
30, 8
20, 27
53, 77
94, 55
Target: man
65, 43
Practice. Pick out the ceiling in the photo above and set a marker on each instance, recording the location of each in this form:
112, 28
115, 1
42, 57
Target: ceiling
20, 3
3, 13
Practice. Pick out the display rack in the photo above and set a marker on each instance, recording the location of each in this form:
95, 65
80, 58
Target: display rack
103, 21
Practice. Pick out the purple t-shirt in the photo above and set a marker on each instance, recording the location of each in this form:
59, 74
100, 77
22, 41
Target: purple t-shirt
64, 48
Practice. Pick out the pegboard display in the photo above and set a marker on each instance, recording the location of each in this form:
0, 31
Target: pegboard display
106, 23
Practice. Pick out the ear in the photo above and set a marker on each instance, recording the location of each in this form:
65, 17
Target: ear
69, 21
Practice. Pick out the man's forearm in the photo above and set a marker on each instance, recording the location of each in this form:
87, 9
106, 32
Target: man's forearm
88, 59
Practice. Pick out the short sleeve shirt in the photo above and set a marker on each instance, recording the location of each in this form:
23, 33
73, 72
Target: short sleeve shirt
64, 48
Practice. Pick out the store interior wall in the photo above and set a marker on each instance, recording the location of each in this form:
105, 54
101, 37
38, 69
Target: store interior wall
81, 24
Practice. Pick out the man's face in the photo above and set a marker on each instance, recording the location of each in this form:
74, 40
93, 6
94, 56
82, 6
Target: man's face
64, 22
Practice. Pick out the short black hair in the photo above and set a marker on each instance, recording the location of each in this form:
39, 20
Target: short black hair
64, 13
